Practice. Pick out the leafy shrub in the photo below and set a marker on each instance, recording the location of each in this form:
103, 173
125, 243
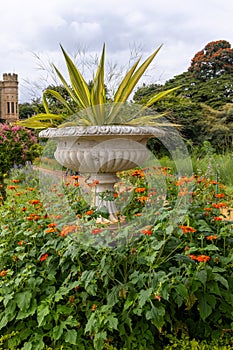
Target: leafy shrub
83, 284
17, 146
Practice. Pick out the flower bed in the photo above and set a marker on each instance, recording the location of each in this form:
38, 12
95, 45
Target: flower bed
165, 270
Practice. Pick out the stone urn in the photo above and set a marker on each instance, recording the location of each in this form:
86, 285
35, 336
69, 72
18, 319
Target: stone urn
98, 152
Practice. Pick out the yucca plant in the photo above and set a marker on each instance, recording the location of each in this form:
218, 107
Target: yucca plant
88, 106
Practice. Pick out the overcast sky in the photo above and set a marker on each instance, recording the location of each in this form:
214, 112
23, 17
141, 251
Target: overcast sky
36, 28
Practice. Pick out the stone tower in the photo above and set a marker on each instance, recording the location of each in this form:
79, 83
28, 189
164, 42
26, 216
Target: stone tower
9, 98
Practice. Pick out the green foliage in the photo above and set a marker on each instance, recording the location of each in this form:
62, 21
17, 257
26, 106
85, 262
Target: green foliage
185, 343
215, 92
202, 106
17, 146
70, 286
192, 108
217, 126
26, 110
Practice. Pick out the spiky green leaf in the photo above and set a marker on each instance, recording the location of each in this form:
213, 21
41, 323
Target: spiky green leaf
98, 96
124, 82
68, 89
159, 96
78, 83
58, 97
137, 75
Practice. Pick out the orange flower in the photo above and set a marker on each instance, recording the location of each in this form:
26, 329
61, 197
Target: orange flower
146, 232
138, 214
140, 189
19, 194
44, 257
94, 306
94, 183
211, 237
75, 177
199, 258
200, 180
76, 184
15, 181
95, 231
34, 201
31, 189
89, 212
142, 199
217, 218
187, 229
157, 297
51, 230
12, 187
67, 229
137, 173
212, 182
220, 195
192, 256
21, 243
207, 209
3, 273
203, 258
219, 205
33, 217
52, 224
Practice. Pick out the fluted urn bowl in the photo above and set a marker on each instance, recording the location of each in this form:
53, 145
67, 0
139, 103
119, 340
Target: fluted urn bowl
101, 151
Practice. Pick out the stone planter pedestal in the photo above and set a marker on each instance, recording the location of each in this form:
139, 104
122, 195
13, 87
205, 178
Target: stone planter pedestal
98, 152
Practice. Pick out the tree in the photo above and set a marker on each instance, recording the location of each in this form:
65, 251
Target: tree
55, 106
214, 60
26, 110
178, 107
201, 104
215, 92
145, 92
216, 126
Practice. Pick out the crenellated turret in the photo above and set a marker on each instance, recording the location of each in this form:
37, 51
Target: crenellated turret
9, 98
10, 77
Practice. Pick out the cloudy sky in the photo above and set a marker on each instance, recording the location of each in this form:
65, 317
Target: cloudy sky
31, 32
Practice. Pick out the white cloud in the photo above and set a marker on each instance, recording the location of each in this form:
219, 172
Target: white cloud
184, 27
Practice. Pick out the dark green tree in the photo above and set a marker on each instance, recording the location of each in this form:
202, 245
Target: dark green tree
216, 126
26, 110
55, 106
206, 87
178, 107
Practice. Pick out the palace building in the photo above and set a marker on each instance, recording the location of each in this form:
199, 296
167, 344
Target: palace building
9, 98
